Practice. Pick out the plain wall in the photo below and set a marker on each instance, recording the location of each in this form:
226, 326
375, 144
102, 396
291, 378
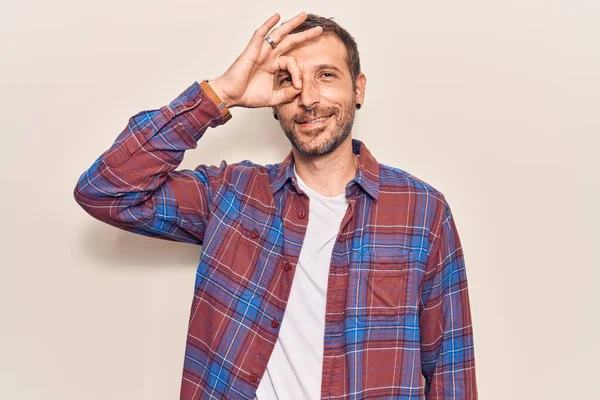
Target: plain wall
495, 103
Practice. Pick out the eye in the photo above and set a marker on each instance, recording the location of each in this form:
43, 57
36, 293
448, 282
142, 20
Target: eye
285, 79
328, 74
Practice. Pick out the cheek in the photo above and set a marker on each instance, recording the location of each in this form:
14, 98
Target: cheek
338, 97
284, 113
333, 94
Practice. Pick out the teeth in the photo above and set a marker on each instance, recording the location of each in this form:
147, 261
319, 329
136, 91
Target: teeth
316, 120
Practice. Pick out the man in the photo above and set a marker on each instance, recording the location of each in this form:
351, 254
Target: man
328, 275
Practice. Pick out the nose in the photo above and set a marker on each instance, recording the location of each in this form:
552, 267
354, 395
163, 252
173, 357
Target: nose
310, 94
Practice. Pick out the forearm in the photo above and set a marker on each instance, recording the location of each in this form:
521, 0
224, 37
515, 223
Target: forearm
150, 147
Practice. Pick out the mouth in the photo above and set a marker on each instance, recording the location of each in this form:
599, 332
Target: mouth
315, 121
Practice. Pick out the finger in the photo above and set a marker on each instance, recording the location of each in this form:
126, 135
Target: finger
288, 63
284, 95
279, 33
260, 33
295, 39
287, 92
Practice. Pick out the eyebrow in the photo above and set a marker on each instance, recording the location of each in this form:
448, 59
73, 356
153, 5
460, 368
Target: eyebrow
318, 67
328, 66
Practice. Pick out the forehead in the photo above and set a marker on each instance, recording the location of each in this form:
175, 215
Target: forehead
324, 49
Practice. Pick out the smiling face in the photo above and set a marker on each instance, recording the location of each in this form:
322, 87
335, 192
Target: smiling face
327, 88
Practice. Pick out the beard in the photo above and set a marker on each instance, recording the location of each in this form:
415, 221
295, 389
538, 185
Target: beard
313, 142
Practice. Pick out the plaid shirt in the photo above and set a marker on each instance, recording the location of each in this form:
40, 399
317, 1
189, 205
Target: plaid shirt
397, 322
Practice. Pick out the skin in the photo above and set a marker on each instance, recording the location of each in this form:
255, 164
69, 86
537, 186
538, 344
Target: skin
290, 78
323, 152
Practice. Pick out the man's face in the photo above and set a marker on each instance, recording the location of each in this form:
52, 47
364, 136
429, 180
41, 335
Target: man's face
327, 87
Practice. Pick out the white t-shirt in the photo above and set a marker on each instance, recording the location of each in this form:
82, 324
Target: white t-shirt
295, 366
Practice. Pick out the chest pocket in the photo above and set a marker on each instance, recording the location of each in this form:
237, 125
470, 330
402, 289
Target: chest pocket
383, 281
239, 254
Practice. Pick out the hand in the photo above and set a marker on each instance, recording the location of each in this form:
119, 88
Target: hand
249, 81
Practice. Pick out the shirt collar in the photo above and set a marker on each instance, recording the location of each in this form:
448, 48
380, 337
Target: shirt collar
367, 176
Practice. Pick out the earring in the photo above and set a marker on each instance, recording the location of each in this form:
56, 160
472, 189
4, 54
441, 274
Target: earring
276, 116
358, 106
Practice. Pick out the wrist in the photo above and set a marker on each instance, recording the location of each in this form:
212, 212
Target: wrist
217, 86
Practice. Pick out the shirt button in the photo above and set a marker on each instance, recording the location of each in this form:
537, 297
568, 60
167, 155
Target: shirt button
287, 266
189, 103
252, 378
274, 323
301, 214
254, 234
146, 131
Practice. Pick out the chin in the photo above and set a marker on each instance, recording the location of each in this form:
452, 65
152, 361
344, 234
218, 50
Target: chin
313, 146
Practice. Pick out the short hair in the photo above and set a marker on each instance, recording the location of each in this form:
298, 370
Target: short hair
330, 26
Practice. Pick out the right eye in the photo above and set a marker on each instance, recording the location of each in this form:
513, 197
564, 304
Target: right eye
285, 79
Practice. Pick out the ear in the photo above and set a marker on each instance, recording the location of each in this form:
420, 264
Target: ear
361, 84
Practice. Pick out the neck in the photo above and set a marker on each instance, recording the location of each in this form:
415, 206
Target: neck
328, 174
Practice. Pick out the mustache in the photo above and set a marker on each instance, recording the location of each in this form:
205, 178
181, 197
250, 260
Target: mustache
313, 114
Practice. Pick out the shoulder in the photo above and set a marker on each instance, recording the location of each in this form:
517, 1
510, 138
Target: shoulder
394, 178
423, 195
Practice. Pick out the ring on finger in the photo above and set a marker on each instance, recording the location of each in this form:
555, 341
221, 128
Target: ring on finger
271, 41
